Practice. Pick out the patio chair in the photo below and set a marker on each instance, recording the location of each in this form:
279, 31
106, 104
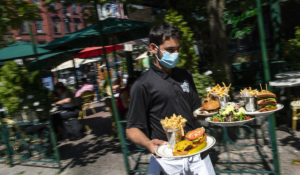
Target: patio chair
296, 114
87, 99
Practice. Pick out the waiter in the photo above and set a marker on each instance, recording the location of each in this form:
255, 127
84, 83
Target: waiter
162, 91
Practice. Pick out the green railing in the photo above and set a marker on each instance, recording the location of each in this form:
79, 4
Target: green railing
29, 142
134, 154
246, 148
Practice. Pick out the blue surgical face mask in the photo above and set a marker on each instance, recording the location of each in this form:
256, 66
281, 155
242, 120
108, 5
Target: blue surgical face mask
168, 60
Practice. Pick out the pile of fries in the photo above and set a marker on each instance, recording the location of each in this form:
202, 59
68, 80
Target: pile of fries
173, 123
219, 90
249, 92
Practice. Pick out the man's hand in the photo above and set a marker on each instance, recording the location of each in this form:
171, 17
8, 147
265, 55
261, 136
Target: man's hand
153, 144
138, 137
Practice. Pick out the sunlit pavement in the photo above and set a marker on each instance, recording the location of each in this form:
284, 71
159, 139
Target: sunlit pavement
97, 153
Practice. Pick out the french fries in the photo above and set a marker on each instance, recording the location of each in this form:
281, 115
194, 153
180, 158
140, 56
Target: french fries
249, 92
173, 123
219, 90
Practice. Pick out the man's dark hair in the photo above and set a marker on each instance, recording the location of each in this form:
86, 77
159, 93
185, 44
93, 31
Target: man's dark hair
160, 33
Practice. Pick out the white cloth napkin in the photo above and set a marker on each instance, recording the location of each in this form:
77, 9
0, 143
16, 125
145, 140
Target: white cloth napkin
186, 166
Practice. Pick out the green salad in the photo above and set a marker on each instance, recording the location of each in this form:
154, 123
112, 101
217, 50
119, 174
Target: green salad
230, 114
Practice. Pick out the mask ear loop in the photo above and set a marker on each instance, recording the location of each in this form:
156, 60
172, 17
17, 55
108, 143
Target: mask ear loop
156, 56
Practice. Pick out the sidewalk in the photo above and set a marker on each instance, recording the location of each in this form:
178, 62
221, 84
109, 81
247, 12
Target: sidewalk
99, 154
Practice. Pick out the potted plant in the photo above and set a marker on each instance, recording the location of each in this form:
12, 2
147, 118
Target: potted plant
22, 93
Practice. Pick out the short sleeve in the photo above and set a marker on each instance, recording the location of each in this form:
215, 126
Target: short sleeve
196, 102
138, 107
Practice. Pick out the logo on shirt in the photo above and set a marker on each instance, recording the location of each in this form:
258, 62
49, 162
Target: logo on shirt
185, 87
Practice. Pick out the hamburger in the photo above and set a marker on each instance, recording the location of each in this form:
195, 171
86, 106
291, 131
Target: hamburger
266, 101
210, 106
195, 140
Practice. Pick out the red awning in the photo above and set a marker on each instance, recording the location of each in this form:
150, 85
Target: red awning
96, 51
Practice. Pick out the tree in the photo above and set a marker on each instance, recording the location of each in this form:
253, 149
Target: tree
202, 82
14, 12
292, 49
188, 57
6, 42
218, 37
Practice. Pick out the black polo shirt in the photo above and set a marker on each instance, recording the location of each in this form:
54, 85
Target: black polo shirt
156, 95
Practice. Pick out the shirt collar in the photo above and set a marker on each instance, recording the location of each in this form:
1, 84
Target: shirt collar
160, 72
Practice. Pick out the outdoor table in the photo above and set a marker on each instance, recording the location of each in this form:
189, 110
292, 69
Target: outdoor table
227, 141
283, 83
291, 74
288, 84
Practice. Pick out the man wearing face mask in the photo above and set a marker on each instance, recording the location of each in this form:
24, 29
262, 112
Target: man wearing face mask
162, 91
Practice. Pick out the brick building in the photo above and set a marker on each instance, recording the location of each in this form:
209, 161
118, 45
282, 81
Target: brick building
51, 25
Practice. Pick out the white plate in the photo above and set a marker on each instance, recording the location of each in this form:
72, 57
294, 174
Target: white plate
165, 151
236, 123
279, 107
206, 115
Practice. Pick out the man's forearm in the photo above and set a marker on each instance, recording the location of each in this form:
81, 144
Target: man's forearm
138, 137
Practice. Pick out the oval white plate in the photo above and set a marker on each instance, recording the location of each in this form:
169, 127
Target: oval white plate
279, 107
206, 115
165, 151
236, 123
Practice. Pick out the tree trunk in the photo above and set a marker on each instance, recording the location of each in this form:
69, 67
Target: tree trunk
218, 38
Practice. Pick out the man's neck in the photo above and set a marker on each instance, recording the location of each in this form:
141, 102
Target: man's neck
156, 63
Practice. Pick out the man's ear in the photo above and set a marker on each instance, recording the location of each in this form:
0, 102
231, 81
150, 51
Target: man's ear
153, 48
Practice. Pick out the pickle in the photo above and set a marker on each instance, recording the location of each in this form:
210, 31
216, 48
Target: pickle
198, 148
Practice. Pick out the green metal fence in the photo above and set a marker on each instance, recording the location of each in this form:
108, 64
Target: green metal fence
29, 142
247, 148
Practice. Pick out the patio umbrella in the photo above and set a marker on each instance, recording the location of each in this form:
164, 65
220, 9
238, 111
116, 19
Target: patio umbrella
53, 59
143, 55
78, 62
96, 51
20, 49
114, 31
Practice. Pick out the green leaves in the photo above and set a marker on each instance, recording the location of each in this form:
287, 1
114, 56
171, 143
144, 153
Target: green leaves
13, 12
20, 88
235, 20
188, 57
202, 82
292, 49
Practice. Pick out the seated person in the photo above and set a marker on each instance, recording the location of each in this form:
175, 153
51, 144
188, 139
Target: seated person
122, 101
66, 120
86, 86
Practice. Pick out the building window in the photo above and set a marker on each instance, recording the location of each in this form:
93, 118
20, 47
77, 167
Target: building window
39, 26
53, 5
67, 25
64, 9
74, 9
25, 27
56, 25
77, 24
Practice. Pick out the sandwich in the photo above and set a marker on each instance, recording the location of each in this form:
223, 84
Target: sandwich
197, 136
266, 101
210, 106
195, 141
